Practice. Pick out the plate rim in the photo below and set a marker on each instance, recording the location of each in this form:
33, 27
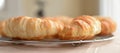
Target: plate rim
110, 37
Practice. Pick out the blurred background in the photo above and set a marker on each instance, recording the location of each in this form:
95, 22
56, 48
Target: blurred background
72, 8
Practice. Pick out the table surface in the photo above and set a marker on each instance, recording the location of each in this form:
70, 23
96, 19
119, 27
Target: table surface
112, 46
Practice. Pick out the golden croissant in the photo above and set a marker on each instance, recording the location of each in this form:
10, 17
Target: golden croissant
64, 28
1, 27
108, 25
28, 28
81, 28
63, 19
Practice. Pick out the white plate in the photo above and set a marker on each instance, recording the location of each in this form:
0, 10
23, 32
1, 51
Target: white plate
96, 39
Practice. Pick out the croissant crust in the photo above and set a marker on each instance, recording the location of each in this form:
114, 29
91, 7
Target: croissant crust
31, 28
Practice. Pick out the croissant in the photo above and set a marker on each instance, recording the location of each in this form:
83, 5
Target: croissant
81, 28
108, 25
64, 28
63, 19
28, 28
1, 27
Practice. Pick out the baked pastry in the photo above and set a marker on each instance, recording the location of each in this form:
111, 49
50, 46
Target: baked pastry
64, 28
1, 27
108, 25
63, 19
28, 28
81, 28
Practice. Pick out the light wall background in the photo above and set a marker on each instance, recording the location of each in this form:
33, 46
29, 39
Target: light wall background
71, 8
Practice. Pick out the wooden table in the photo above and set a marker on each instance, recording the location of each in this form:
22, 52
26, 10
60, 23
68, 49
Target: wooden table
98, 47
